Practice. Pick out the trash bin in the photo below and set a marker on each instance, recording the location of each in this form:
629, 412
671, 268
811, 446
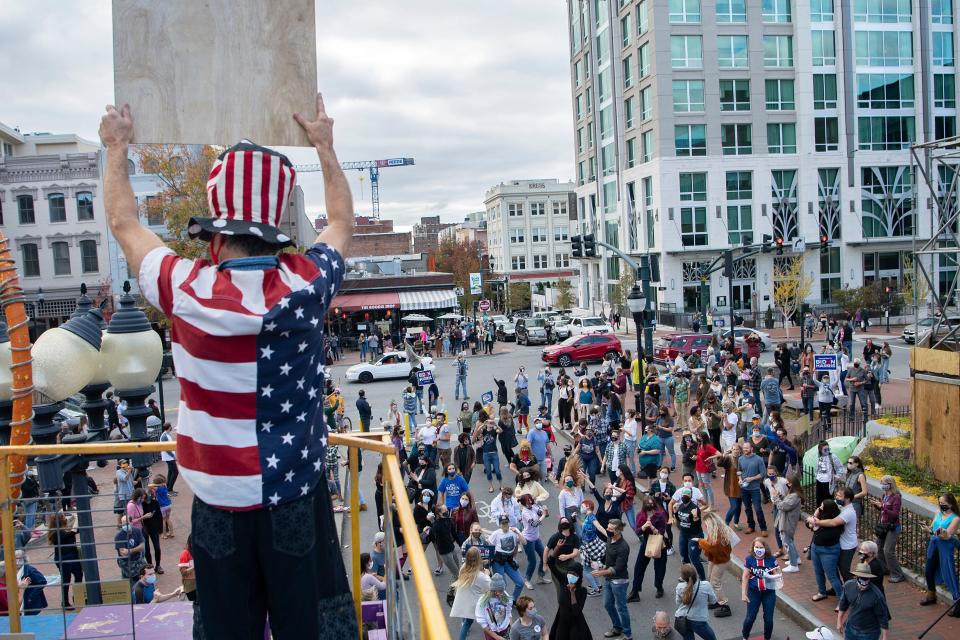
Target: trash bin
154, 429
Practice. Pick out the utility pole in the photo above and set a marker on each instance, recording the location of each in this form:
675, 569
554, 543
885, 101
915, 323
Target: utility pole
648, 312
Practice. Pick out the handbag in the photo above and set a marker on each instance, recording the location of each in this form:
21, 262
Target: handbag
774, 583
680, 622
654, 548
881, 529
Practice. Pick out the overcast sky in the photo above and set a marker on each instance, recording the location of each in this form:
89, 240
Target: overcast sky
476, 92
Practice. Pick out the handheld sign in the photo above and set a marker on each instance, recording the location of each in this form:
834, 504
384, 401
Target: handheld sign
424, 378
825, 362
487, 398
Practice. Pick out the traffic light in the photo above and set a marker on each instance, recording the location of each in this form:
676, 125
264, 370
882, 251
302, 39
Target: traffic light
727, 264
589, 246
765, 244
824, 244
779, 246
576, 246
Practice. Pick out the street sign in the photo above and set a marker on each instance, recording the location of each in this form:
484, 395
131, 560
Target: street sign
476, 284
719, 322
824, 362
424, 378
487, 398
458, 291
799, 245
484, 305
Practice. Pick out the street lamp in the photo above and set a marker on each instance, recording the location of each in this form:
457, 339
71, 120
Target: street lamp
638, 306
94, 404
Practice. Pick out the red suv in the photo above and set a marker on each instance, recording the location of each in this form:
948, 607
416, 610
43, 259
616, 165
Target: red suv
582, 348
686, 343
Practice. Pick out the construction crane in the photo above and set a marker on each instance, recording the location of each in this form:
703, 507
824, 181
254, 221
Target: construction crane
373, 166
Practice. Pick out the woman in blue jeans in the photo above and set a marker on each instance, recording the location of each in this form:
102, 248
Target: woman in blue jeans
825, 551
531, 516
756, 590
694, 597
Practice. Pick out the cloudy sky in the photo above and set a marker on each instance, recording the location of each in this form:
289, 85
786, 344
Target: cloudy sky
477, 92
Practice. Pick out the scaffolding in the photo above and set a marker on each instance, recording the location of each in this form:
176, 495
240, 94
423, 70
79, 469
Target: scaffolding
936, 259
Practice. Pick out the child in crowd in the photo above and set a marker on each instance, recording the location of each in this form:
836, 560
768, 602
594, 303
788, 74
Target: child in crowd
159, 487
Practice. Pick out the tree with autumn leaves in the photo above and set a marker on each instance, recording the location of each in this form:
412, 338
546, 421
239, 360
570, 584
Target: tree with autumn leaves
791, 286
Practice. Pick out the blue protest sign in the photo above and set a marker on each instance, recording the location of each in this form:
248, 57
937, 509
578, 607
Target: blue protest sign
424, 378
824, 362
487, 398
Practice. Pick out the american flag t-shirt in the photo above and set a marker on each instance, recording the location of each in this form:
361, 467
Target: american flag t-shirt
248, 348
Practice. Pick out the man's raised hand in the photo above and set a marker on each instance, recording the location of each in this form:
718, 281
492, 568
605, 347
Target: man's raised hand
116, 126
320, 130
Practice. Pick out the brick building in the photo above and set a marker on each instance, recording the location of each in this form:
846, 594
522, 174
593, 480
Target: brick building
374, 237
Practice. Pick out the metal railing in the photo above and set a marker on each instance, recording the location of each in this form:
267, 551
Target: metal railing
843, 424
399, 620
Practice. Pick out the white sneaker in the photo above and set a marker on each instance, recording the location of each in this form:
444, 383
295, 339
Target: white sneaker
527, 584
545, 580
791, 569
670, 552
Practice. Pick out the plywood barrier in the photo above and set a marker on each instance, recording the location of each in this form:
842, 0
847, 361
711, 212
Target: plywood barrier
936, 412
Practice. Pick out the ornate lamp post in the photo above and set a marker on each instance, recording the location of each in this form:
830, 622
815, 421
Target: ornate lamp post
94, 404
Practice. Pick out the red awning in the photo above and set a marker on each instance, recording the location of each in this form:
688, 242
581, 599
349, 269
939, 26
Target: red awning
366, 301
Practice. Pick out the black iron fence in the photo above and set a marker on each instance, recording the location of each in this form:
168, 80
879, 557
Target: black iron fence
843, 424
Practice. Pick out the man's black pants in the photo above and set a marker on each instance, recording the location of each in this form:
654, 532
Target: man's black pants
284, 561
172, 474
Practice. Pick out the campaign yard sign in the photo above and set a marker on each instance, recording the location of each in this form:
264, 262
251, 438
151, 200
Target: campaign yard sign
825, 362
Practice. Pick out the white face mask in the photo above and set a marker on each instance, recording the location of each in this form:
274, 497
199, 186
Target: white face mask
664, 476
688, 484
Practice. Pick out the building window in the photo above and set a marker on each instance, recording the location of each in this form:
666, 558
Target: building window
887, 201
885, 90
685, 11
739, 208
606, 122
518, 262
538, 234
603, 50
942, 12
581, 142
687, 96
776, 11
690, 139
580, 110
627, 72
643, 20
648, 210
778, 51
734, 95
154, 213
882, 11
561, 234
540, 262
736, 139
828, 203
731, 11
686, 52
610, 197
826, 134
515, 210
693, 187
644, 56
84, 206
646, 104
780, 95
944, 91
58, 207
732, 52
629, 111
885, 133
61, 258
693, 226
829, 274
538, 208
824, 49
821, 10
560, 208
782, 137
25, 208
604, 86
88, 256
824, 91
608, 159
31, 260
944, 127
884, 48
943, 48
631, 153
646, 139
563, 259
516, 236
626, 29
783, 193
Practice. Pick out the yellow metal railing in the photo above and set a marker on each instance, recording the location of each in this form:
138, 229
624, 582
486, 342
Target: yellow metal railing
432, 621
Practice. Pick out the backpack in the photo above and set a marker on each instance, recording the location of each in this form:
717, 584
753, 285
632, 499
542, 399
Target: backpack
549, 383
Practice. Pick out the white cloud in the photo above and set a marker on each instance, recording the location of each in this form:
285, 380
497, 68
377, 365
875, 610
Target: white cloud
476, 92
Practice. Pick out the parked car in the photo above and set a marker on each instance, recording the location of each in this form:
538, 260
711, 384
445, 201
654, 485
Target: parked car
923, 328
505, 328
532, 330
589, 324
668, 347
389, 365
583, 348
742, 332
560, 328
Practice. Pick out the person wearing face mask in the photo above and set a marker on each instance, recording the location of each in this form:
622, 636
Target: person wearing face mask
464, 516
759, 570
940, 550
532, 516
888, 528
863, 613
615, 570
705, 466
470, 585
593, 546
649, 448
145, 589
688, 516
613, 457
751, 470
773, 483
129, 544
589, 454
650, 524
607, 507
539, 441
570, 499
523, 459
505, 505
569, 622
688, 452
529, 625
662, 491
563, 549
464, 456
369, 579
856, 481
856, 382
451, 488
867, 554
528, 483
665, 431
829, 471
506, 542
848, 538
494, 610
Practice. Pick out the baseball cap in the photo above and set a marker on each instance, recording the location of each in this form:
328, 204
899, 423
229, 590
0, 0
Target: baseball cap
821, 633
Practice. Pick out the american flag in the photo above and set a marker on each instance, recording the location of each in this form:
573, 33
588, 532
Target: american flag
248, 348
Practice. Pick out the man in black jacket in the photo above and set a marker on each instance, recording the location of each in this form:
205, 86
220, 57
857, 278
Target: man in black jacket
617, 575
366, 413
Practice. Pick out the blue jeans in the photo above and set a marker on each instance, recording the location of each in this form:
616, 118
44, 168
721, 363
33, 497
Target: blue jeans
513, 574
667, 446
548, 401
592, 466
491, 466
615, 602
534, 550
825, 561
701, 628
430, 452
412, 421
767, 599
461, 384
419, 393
690, 552
849, 633
808, 406
752, 501
791, 546
465, 628
733, 513
884, 370
30, 513
346, 491
589, 578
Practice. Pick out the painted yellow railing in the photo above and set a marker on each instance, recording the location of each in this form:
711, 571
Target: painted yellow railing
433, 624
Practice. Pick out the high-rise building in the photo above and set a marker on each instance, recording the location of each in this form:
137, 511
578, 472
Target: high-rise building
426, 234
705, 124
